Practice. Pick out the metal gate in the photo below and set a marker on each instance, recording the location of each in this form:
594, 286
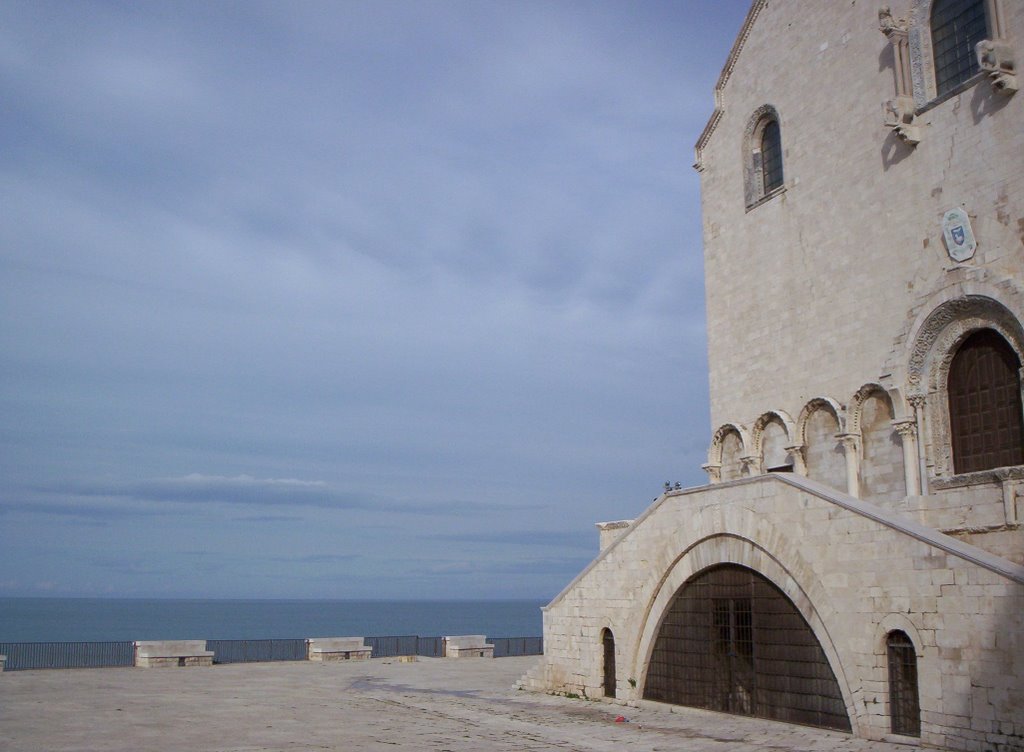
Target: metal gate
731, 641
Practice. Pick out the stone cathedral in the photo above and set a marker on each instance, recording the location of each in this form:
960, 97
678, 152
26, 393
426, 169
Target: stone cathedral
856, 559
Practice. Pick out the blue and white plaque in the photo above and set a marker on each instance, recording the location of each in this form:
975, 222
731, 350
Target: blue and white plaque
956, 229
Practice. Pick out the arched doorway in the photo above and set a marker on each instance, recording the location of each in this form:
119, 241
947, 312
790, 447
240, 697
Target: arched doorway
985, 416
608, 643
732, 641
904, 707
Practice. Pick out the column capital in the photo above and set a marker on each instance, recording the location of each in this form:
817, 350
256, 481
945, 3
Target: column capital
849, 440
714, 472
905, 427
751, 464
796, 451
917, 400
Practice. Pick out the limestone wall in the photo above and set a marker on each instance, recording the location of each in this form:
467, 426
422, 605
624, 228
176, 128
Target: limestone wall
853, 578
808, 291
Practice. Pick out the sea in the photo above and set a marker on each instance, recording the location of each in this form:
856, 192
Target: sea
116, 619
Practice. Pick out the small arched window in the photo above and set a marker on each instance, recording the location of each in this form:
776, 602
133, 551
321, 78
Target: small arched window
762, 156
904, 705
956, 26
985, 412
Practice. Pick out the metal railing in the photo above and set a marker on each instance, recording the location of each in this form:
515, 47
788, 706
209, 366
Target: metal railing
256, 651
388, 647
41, 655
506, 647
30, 655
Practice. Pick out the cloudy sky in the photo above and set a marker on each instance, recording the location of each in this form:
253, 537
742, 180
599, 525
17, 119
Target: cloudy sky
345, 299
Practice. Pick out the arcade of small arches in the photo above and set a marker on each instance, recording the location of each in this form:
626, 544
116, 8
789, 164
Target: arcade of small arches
869, 447
851, 449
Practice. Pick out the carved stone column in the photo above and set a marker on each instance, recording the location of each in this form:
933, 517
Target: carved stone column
901, 111
917, 401
907, 429
799, 462
851, 448
896, 31
714, 472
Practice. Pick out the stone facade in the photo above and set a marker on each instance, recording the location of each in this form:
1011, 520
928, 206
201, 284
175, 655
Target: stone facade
836, 307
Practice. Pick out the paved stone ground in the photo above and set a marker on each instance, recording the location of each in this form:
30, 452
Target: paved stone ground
382, 704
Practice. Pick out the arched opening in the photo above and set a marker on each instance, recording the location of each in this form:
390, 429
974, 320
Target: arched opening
608, 642
732, 452
956, 27
823, 455
732, 641
985, 412
774, 457
904, 707
882, 473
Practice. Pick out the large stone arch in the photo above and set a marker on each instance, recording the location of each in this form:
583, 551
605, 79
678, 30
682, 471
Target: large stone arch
783, 566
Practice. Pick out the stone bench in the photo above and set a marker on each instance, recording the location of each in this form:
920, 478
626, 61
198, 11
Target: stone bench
3, 662
467, 646
329, 649
168, 653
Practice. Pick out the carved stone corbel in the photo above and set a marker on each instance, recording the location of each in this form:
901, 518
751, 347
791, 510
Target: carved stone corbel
901, 118
997, 60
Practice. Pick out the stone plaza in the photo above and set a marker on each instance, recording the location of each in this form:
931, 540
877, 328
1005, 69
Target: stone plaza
431, 704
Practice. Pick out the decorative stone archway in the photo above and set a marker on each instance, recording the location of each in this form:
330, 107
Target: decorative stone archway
936, 342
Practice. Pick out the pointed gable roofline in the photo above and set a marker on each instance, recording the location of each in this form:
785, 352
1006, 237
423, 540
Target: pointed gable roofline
723, 78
